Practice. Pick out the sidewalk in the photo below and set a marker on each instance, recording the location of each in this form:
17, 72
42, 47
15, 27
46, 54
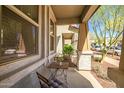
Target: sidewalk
112, 61
91, 78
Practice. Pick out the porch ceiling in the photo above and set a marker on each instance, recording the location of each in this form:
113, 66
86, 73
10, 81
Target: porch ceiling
72, 14
68, 11
67, 35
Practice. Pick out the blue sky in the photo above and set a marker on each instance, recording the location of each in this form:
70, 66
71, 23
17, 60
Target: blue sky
91, 29
102, 26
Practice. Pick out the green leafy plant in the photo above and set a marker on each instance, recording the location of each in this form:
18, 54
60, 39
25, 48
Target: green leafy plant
97, 57
58, 59
68, 50
107, 24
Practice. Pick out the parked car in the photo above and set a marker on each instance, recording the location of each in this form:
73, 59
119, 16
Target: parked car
115, 50
118, 51
98, 48
111, 50
93, 47
10, 51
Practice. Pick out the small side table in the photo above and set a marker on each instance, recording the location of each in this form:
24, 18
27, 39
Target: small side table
59, 66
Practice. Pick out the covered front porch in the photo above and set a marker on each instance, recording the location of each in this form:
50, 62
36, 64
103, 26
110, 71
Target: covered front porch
52, 28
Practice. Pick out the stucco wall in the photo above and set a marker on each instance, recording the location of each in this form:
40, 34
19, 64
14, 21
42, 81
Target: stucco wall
30, 81
21, 72
63, 29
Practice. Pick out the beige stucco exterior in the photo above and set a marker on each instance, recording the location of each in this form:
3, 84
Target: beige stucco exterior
14, 74
83, 39
64, 29
20, 68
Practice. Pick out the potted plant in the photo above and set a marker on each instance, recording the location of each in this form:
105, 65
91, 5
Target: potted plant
67, 52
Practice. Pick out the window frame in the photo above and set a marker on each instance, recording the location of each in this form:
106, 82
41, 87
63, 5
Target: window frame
22, 15
53, 20
29, 14
15, 10
0, 24
52, 35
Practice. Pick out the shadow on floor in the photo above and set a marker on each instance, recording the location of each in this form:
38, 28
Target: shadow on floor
75, 80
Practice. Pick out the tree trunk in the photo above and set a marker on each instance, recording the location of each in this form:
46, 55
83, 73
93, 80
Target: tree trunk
103, 57
113, 52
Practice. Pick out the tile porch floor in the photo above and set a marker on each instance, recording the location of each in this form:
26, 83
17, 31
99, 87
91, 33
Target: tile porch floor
76, 79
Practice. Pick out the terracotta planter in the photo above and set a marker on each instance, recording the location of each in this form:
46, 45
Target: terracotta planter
67, 59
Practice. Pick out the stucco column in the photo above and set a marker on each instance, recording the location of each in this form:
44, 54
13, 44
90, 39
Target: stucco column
0, 28
46, 30
84, 55
121, 64
55, 45
83, 41
63, 42
41, 32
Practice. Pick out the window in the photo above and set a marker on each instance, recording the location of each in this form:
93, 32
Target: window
18, 37
52, 36
29, 10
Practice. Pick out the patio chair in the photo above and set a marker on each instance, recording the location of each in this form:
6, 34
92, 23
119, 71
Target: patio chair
54, 83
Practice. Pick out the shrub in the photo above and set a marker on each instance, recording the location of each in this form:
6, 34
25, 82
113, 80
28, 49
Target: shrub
97, 57
68, 50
